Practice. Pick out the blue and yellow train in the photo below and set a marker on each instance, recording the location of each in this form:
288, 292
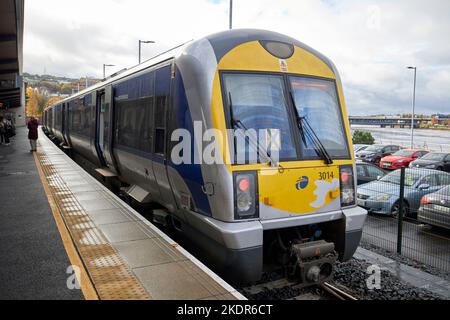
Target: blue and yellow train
297, 211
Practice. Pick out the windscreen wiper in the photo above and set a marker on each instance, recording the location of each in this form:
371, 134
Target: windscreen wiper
306, 131
238, 123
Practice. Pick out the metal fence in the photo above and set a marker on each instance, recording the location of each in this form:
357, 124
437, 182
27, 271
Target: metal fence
409, 214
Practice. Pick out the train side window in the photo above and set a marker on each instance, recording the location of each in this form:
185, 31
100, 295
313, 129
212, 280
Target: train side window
162, 90
134, 101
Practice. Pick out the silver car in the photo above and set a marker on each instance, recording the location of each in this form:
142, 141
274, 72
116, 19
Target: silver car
435, 208
383, 196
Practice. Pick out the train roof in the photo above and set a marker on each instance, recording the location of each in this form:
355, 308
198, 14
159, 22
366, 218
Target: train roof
221, 43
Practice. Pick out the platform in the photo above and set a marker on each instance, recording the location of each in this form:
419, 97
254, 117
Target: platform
119, 253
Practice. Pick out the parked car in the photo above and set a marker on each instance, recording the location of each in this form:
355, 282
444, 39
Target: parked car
435, 208
374, 153
401, 158
367, 172
383, 196
359, 147
433, 160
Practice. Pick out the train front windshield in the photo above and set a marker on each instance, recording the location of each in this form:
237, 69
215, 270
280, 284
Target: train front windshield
260, 101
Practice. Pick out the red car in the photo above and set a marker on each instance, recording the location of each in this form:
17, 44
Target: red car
401, 158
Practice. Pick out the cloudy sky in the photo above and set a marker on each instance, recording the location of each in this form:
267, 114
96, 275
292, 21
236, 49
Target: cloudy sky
371, 42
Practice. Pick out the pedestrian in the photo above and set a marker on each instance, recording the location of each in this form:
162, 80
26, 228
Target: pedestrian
33, 133
9, 130
2, 131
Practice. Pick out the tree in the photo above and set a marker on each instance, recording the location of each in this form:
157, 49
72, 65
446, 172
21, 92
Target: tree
363, 137
32, 103
36, 103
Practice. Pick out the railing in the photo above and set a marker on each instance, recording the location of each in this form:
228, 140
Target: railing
409, 216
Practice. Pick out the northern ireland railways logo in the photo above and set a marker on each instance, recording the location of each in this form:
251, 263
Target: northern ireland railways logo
302, 183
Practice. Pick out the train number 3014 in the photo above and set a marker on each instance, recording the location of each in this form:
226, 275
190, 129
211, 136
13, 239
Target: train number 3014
326, 175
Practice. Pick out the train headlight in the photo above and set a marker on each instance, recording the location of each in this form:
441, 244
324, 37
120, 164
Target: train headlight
245, 195
347, 186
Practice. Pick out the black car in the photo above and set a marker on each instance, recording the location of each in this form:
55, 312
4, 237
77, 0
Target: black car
367, 172
435, 208
374, 153
433, 160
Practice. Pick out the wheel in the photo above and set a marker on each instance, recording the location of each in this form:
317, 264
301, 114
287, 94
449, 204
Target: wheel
396, 209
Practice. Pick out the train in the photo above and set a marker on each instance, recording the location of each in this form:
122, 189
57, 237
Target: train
292, 206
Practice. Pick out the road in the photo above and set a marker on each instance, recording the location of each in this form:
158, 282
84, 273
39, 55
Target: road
434, 140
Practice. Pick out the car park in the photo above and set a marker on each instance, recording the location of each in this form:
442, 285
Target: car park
383, 196
433, 160
374, 153
367, 172
401, 158
435, 209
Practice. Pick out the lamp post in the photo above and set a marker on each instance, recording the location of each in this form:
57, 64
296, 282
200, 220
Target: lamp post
231, 14
104, 69
413, 105
140, 47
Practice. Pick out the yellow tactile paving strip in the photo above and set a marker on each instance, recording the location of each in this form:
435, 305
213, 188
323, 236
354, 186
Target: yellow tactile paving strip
110, 275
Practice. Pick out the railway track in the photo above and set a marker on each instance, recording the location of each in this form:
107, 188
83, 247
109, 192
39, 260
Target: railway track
338, 293
288, 290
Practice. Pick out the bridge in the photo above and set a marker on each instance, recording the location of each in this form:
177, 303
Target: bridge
387, 121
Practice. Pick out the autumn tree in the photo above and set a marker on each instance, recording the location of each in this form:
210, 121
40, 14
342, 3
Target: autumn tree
36, 103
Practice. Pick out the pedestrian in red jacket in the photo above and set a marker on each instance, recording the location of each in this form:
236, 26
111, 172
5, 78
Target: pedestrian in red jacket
33, 133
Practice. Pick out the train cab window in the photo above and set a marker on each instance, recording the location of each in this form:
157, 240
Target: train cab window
257, 102
162, 90
316, 101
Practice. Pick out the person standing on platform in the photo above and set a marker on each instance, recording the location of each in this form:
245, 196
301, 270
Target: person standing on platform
9, 130
2, 131
33, 133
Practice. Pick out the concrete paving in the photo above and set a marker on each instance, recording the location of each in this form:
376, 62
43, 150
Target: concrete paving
33, 261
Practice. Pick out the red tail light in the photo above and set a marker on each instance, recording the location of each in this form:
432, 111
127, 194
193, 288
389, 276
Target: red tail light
424, 201
244, 185
345, 176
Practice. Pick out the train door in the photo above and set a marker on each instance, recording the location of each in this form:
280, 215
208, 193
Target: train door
105, 127
162, 96
65, 122
100, 126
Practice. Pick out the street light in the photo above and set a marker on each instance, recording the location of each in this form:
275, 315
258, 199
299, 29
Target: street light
104, 69
231, 14
140, 45
413, 105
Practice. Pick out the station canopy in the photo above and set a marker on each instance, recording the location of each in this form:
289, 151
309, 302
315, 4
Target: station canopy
11, 53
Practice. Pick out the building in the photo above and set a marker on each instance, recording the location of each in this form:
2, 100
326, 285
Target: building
12, 86
441, 119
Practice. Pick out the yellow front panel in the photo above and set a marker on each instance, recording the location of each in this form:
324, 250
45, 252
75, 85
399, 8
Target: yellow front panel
299, 191
303, 186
